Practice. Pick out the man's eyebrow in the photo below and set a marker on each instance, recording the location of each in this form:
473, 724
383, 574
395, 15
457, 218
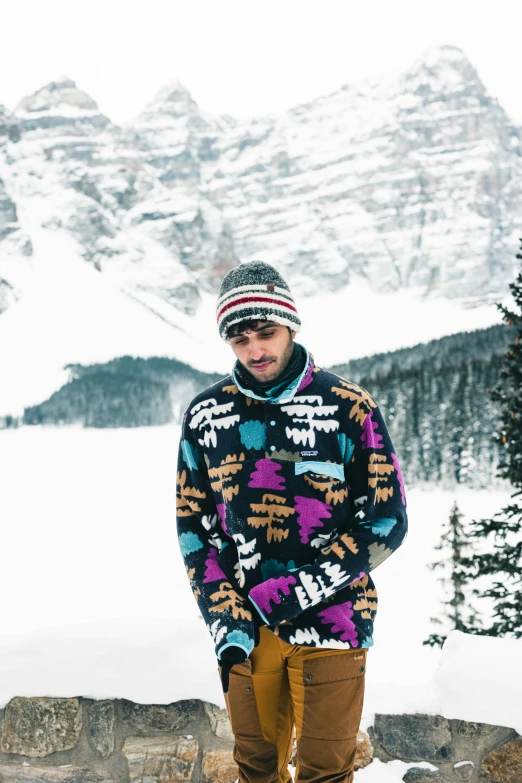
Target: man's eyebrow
260, 328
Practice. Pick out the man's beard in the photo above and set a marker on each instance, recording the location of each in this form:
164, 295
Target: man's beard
285, 359
295, 364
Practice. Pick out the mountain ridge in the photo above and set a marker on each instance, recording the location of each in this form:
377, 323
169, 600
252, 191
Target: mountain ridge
432, 56
407, 193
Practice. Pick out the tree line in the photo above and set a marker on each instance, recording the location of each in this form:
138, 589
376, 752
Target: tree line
481, 561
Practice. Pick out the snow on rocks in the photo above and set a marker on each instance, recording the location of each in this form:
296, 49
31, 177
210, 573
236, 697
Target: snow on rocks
478, 679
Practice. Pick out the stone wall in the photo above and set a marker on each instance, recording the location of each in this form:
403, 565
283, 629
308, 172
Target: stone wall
78, 740
459, 750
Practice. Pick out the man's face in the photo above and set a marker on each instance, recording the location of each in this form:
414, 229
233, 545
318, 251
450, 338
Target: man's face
265, 349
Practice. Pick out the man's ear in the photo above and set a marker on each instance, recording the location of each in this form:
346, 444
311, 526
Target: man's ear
293, 333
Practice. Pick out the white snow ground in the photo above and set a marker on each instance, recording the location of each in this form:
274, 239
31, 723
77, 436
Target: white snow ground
69, 312
95, 602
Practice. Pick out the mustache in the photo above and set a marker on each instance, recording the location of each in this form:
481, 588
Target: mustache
254, 364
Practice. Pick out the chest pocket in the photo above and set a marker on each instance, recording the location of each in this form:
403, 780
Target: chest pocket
332, 469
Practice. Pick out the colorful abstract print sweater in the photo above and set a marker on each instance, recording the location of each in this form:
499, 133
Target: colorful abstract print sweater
286, 509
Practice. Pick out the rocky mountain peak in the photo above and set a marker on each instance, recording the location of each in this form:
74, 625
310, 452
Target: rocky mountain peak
55, 96
443, 54
60, 108
443, 68
173, 99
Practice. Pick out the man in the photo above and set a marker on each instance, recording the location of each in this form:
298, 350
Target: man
289, 493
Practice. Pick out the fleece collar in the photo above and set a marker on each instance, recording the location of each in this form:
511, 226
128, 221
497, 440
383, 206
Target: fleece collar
287, 393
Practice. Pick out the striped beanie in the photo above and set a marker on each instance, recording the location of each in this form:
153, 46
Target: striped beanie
255, 291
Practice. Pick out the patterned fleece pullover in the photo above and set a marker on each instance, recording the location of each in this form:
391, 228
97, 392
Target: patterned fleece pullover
285, 508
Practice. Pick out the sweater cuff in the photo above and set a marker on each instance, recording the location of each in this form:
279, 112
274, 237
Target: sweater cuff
236, 639
236, 646
275, 599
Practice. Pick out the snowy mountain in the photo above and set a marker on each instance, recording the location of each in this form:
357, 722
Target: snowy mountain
402, 198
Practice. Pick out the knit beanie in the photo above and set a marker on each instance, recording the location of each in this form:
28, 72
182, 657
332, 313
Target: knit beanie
255, 291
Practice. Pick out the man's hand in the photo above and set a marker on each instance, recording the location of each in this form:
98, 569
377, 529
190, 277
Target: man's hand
229, 658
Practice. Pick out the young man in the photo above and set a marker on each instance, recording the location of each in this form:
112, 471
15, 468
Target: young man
289, 494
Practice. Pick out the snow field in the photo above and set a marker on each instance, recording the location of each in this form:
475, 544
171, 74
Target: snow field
95, 600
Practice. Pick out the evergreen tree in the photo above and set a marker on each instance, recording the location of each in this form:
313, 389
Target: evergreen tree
503, 533
460, 615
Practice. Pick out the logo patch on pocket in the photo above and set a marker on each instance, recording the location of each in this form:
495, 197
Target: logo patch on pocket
309, 453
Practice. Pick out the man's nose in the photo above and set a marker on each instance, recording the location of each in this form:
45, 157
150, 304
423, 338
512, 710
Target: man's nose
256, 351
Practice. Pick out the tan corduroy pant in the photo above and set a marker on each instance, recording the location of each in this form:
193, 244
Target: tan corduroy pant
319, 691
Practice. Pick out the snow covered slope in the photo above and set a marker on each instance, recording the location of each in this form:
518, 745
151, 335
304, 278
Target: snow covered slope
71, 313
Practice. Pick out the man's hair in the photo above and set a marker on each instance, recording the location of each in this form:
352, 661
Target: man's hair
247, 323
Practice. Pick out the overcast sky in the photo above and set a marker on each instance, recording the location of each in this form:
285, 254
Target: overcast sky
244, 57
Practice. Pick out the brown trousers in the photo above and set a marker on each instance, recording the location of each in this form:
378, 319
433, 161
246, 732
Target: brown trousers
319, 691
